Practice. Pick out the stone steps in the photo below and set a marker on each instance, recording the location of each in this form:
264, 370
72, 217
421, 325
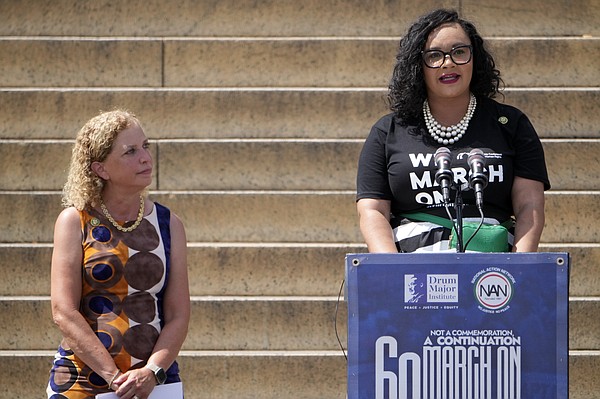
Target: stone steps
268, 62
254, 323
262, 374
324, 113
228, 269
211, 374
279, 216
270, 269
290, 89
225, 18
260, 164
218, 323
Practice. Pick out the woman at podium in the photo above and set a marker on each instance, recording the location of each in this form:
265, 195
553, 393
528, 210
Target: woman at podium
449, 153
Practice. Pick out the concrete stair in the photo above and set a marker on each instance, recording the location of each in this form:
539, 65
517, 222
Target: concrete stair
290, 164
271, 18
267, 62
281, 216
289, 90
261, 323
324, 113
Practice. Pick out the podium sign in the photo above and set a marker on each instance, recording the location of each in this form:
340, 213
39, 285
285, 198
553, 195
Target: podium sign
457, 325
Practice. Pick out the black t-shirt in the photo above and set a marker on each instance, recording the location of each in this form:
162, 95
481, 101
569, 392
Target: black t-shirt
397, 162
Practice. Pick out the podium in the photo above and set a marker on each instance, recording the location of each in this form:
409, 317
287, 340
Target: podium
457, 325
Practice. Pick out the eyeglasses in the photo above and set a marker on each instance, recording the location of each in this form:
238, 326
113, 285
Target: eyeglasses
460, 55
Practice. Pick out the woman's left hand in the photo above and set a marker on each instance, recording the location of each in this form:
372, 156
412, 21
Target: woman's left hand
528, 205
137, 383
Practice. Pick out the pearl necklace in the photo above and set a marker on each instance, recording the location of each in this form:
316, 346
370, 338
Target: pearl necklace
117, 225
451, 134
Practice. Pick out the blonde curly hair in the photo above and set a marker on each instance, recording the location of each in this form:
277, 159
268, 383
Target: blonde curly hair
93, 144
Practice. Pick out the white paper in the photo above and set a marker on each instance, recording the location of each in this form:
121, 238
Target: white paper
166, 391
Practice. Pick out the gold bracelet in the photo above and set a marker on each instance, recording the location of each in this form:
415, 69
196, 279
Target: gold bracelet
114, 377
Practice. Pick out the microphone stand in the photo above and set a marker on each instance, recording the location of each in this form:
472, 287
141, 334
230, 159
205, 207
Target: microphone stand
458, 208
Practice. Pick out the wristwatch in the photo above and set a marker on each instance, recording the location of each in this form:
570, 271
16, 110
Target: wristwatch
159, 373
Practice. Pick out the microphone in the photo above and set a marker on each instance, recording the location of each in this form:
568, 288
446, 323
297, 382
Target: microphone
478, 178
444, 175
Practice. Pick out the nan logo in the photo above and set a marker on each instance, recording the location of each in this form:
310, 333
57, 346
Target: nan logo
493, 289
430, 288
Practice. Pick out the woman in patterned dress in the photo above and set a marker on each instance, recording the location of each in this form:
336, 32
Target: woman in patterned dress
119, 284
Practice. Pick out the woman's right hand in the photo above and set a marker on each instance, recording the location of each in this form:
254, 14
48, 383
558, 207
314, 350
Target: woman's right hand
374, 216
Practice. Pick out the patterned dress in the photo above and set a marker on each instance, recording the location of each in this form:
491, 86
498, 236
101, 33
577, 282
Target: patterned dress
124, 279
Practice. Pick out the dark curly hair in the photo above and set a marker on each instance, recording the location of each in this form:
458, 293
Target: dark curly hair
407, 86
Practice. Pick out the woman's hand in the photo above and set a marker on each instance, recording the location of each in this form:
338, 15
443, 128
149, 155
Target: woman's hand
137, 383
528, 205
374, 215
